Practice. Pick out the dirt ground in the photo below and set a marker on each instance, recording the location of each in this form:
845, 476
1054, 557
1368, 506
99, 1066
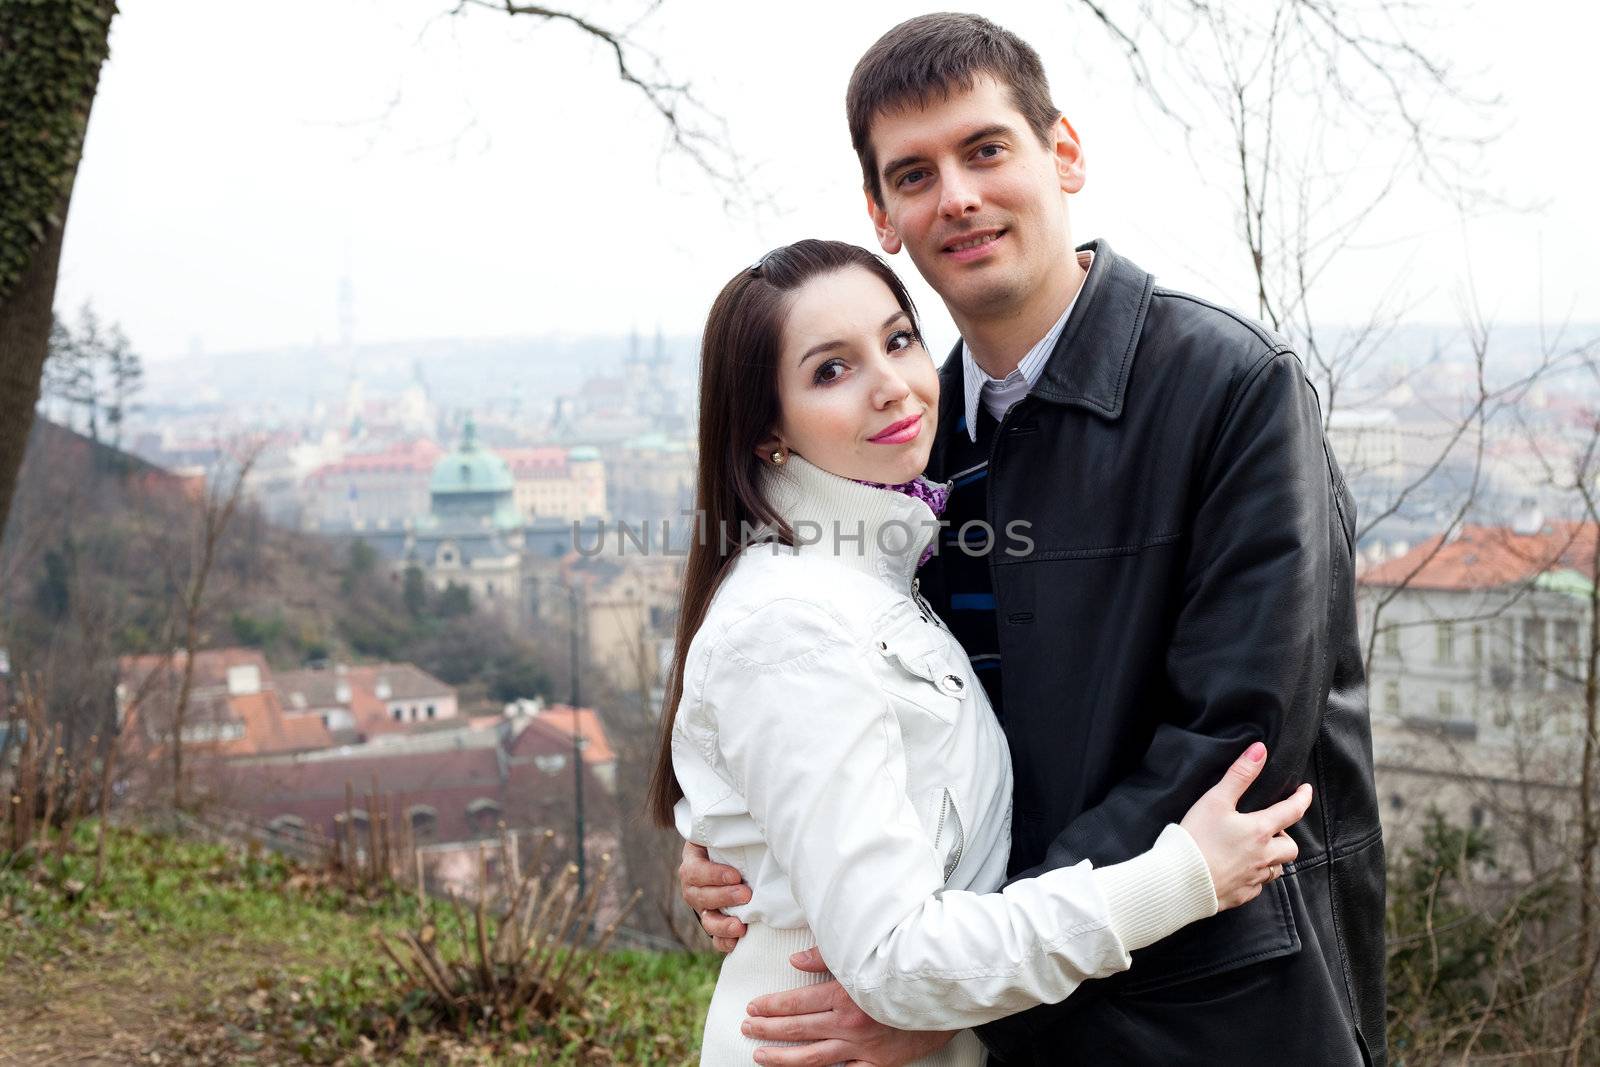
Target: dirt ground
127, 1007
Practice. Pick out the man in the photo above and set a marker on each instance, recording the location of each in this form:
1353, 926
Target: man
1189, 588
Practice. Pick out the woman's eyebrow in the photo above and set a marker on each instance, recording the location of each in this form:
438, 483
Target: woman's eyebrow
829, 346
817, 350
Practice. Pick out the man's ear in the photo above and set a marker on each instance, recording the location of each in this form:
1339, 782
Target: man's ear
888, 239
1069, 157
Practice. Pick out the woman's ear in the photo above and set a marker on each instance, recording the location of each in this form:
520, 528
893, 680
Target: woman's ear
772, 446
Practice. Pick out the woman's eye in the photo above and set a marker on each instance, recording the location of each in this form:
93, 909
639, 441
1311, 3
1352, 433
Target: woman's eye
829, 372
901, 339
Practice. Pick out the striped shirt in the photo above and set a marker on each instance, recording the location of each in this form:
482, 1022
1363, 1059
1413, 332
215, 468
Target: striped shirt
998, 394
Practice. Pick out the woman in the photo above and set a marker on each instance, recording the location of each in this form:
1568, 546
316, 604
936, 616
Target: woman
824, 733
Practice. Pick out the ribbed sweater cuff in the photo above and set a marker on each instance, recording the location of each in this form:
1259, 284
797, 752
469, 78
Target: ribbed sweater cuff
1158, 892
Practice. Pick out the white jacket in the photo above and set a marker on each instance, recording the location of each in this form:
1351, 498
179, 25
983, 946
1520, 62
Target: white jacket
833, 745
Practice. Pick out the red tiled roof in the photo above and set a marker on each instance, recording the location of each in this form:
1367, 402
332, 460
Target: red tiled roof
526, 461
557, 720
1487, 557
417, 457
266, 729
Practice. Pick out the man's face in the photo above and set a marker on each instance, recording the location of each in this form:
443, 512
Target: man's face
974, 197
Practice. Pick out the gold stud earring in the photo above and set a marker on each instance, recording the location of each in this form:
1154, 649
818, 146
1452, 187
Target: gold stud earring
778, 457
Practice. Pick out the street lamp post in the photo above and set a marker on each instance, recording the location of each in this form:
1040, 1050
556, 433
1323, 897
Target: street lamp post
577, 738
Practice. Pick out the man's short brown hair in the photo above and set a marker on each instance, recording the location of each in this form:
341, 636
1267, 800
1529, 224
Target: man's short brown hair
934, 55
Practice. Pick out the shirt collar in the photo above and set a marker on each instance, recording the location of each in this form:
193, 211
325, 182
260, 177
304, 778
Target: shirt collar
860, 525
974, 378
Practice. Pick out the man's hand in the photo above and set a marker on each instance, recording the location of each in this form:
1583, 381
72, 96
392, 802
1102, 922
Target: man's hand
837, 1030
708, 888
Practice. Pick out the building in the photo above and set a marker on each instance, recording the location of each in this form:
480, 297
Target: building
650, 477
381, 490
456, 785
564, 484
1478, 659
234, 708
472, 534
358, 703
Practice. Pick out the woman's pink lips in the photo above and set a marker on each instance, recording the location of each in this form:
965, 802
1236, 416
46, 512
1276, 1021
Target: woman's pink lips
899, 433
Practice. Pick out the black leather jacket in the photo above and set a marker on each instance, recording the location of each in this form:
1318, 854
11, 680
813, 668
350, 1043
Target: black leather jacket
1189, 590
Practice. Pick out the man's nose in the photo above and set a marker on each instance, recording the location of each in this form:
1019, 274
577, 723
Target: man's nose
958, 194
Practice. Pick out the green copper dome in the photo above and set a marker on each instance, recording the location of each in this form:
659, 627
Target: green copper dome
470, 469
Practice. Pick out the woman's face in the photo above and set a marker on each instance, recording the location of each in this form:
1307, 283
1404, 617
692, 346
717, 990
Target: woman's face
858, 394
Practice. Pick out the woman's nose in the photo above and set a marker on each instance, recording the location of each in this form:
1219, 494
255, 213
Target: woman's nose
890, 388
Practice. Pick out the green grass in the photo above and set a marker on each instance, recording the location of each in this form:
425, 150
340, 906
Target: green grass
208, 954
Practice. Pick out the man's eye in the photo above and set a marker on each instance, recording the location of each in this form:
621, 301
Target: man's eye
901, 339
829, 372
990, 151
910, 176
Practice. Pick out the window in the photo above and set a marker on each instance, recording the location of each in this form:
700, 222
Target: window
1446, 704
430, 711
1569, 657
1396, 802
1444, 642
1477, 646
398, 713
1391, 642
483, 815
1534, 659
424, 821
1391, 695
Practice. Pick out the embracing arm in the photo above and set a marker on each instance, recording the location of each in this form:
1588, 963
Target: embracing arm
798, 718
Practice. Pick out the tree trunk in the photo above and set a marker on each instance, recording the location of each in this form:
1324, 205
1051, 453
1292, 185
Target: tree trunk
24, 343
51, 52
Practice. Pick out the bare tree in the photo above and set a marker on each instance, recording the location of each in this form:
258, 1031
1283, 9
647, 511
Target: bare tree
692, 129
217, 508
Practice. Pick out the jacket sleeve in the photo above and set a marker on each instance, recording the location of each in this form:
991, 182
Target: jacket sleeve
803, 727
1249, 653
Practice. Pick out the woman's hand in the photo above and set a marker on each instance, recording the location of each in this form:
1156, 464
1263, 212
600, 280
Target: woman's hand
1245, 850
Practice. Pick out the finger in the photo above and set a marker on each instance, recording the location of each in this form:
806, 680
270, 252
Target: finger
818, 1026
724, 945
702, 871
802, 1001
1285, 813
809, 961
1244, 771
715, 898
1281, 850
820, 1054
717, 924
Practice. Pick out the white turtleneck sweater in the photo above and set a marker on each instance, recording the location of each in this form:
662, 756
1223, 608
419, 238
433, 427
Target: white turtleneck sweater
834, 746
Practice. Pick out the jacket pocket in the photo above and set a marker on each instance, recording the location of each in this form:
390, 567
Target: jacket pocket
1263, 929
924, 673
950, 833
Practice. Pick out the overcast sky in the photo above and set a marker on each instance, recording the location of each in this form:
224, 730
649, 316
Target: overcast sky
486, 176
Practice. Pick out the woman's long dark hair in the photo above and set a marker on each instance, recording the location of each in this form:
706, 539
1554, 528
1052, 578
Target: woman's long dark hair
738, 410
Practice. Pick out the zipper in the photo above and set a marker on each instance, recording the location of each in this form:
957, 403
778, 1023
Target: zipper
947, 808
924, 608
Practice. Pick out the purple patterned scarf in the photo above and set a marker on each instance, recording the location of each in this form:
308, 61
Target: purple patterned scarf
933, 494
